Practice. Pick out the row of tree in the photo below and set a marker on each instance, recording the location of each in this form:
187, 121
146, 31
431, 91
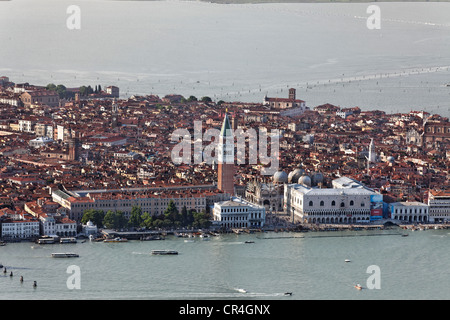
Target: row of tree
193, 99
64, 94
171, 218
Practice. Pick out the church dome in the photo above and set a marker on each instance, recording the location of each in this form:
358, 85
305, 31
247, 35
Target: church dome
305, 180
317, 178
390, 159
296, 174
280, 177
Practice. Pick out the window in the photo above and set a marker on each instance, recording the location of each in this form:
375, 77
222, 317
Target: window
322, 203
311, 203
352, 203
333, 203
342, 204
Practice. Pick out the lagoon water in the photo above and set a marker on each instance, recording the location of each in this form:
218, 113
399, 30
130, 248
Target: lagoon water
237, 52
310, 265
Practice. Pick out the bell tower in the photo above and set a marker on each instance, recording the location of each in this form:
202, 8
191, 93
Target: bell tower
225, 157
114, 114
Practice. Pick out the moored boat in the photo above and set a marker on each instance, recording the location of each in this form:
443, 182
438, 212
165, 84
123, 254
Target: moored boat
164, 252
46, 241
67, 240
116, 240
64, 255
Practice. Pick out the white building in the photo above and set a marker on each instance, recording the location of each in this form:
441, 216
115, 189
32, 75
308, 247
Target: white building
439, 206
25, 125
238, 213
347, 202
89, 229
20, 229
39, 142
409, 211
16, 227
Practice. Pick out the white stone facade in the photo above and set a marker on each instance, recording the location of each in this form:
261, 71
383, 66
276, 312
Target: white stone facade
238, 213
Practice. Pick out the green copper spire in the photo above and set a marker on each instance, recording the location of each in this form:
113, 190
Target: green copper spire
226, 127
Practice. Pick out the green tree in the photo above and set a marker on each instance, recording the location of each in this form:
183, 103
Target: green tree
201, 220
206, 99
114, 220
96, 216
61, 90
147, 220
171, 213
83, 90
191, 99
135, 217
184, 216
51, 86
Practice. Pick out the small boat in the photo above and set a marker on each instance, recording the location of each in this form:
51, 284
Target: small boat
358, 287
164, 252
288, 293
241, 290
248, 241
116, 240
150, 238
46, 241
404, 235
68, 240
65, 255
347, 260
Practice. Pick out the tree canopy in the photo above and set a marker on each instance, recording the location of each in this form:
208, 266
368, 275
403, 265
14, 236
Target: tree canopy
171, 218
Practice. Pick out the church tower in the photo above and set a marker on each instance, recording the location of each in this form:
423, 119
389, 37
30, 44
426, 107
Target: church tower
114, 114
372, 153
225, 158
291, 94
74, 147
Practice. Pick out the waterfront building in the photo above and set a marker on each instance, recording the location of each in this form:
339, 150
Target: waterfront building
238, 213
17, 227
89, 229
439, 206
347, 202
409, 211
151, 200
225, 158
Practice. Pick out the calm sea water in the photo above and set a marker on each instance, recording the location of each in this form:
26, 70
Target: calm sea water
311, 265
237, 51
